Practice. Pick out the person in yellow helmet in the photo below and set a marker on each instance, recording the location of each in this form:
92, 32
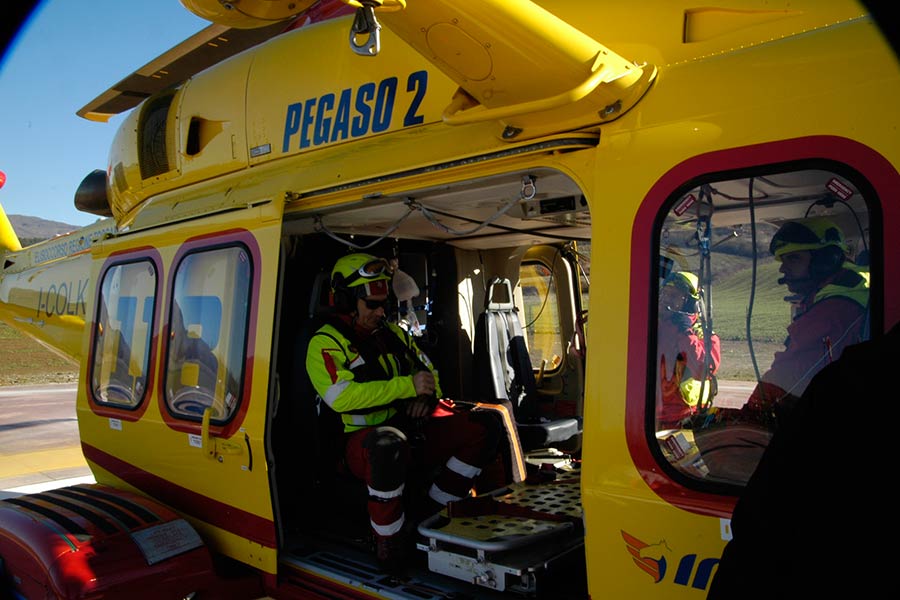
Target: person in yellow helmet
829, 298
682, 352
388, 394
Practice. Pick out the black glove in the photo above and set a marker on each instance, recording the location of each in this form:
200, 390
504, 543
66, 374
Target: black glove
421, 406
682, 321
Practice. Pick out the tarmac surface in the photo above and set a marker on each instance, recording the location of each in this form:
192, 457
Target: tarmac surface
39, 442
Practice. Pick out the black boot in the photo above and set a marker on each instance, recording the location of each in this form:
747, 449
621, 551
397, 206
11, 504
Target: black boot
392, 552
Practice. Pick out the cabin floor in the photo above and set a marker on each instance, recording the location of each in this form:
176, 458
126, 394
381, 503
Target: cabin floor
525, 539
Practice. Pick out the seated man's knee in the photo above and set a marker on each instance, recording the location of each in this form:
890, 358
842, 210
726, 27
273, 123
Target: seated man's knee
388, 451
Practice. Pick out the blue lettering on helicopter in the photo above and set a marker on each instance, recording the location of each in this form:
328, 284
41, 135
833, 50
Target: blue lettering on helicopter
352, 113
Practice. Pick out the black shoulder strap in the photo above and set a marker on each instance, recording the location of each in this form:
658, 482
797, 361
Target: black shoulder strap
401, 349
367, 348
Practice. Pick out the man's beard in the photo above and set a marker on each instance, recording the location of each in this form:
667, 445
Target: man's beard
799, 285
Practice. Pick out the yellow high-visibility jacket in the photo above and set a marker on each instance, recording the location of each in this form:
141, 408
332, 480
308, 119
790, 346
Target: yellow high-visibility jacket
362, 378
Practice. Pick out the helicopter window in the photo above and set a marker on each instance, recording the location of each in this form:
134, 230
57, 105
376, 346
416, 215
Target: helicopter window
123, 333
762, 281
541, 314
208, 331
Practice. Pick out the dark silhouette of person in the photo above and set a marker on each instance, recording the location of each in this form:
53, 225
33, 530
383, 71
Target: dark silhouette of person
817, 518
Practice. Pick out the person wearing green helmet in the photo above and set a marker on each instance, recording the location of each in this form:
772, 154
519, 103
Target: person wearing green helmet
829, 298
388, 395
682, 352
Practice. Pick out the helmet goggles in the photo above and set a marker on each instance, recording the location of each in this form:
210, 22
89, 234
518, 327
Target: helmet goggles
362, 275
370, 270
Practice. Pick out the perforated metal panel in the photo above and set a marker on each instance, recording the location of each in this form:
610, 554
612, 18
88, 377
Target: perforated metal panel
556, 506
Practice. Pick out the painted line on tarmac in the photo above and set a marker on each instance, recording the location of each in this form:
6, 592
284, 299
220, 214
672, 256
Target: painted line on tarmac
23, 463
44, 486
18, 390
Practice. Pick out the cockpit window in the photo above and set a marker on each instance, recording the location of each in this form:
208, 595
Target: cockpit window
542, 326
762, 281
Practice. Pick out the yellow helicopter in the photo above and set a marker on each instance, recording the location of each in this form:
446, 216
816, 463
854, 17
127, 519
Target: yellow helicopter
527, 164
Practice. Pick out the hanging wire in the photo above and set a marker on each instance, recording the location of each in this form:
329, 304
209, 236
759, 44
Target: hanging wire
829, 201
704, 277
429, 214
536, 232
581, 258
320, 227
556, 256
752, 207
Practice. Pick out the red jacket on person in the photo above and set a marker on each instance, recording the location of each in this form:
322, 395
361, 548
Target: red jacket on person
681, 357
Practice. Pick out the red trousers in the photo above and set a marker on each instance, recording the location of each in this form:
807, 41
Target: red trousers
454, 441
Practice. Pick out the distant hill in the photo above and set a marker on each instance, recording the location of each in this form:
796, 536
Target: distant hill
34, 229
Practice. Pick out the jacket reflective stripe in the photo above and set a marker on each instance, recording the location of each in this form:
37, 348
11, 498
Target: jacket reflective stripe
440, 496
334, 391
394, 493
390, 529
355, 419
464, 469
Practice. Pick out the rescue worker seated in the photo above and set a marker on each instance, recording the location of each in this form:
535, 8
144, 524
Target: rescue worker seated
682, 352
829, 302
389, 397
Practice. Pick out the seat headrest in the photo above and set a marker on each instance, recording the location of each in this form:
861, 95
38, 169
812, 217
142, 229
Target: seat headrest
320, 298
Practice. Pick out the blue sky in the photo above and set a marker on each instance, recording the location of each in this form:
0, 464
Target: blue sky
65, 55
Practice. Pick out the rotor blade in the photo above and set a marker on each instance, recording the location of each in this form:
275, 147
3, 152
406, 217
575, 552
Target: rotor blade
200, 51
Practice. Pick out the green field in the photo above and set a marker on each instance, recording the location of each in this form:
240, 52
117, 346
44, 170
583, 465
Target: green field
730, 298
730, 305
23, 361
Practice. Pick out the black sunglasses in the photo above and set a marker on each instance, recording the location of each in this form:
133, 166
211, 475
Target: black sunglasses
376, 304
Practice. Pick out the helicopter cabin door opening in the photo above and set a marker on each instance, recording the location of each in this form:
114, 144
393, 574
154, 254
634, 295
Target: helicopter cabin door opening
456, 241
